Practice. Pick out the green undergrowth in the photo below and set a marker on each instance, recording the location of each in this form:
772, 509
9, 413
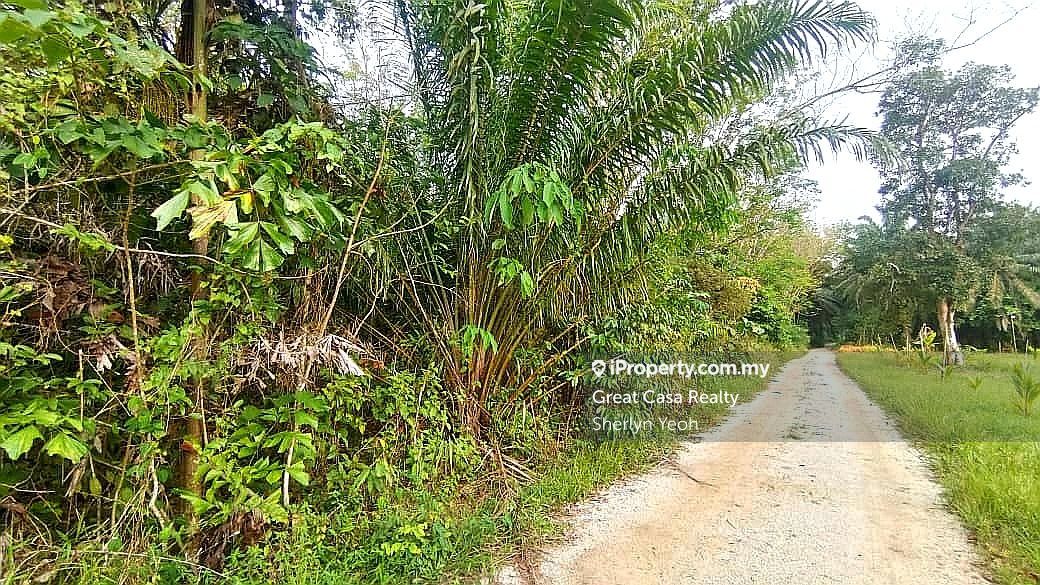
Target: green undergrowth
380, 527
464, 532
981, 445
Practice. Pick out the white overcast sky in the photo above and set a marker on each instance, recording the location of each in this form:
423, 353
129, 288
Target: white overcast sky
849, 188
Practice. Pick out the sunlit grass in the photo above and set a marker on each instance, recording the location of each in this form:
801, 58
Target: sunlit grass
984, 450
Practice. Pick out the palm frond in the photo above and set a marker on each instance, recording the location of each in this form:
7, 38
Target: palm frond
564, 46
462, 45
700, 74
692, 185
1025, 290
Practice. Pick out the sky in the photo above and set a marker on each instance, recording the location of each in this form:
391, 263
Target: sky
849, 189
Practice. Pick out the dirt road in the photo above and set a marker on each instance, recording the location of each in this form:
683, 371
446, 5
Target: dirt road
809, 483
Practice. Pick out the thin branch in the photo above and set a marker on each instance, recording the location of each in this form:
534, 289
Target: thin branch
870, 82
117, 247
84, 180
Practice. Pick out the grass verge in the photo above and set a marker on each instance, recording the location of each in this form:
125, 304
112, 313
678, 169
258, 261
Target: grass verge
983, 449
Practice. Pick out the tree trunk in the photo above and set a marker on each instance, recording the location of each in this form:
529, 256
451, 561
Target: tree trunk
191, 50
952, 354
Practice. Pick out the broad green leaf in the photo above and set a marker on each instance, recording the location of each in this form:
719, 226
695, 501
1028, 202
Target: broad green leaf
295, 201
264, 100
283, 241
333, 151
36, 17
297, 103
13, 29
297, 472
138, 147
195, 137
31, 4
245, 234
296, 227
265, 183
305, 419
528, 183
273, 510
67, 446
325, 212
46, 417
81, 29
505, 208
556, 213
87, 240
68, 131
205, 191
542, 210
526, 211
25, 159
549, 194
271, 258
170, 210
200, 505
259, 256
19, 443
225, 173
251, 255
526, 284
273, 476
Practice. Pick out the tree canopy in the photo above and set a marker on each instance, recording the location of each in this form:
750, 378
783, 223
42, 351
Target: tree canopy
242, 291
947, 239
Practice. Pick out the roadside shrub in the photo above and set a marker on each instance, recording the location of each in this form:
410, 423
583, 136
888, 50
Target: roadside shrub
1027, 388
975, 383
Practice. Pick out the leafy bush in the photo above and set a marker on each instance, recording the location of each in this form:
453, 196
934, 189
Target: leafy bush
1027, 388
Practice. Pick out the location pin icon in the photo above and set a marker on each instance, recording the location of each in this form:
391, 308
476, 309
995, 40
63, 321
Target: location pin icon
598, 367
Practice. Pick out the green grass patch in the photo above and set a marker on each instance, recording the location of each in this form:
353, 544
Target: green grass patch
983, 449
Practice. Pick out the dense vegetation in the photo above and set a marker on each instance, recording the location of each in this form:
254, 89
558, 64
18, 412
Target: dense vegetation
985, 453
261, 315
949, 246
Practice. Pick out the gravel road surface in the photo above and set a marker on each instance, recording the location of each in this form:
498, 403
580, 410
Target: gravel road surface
809, 483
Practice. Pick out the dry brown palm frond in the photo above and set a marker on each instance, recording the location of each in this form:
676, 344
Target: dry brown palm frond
103, 351
289, 354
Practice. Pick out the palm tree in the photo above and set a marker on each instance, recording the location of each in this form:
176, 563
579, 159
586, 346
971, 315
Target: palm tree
893, 269
571, 134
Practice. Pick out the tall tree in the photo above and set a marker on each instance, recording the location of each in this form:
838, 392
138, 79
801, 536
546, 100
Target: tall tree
952, 130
